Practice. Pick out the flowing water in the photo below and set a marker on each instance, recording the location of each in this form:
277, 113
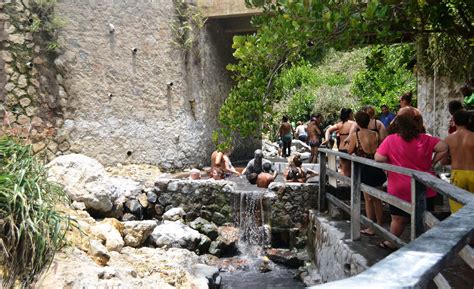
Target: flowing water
251, 269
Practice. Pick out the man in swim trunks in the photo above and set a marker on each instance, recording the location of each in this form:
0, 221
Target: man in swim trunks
314, 134
286, 135
461, 155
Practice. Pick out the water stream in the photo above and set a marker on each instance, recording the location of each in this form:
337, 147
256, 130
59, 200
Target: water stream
251, 269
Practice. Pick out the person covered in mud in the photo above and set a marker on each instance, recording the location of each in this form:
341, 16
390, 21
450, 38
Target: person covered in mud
221, 166
266, 177
295, 172
255, 165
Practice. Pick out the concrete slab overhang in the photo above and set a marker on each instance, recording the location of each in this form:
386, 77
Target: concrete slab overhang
225, 8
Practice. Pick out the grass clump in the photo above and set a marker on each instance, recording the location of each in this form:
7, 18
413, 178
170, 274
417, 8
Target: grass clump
31, 230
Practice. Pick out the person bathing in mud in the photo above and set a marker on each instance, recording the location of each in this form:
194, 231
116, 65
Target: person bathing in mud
221, 166
256, 165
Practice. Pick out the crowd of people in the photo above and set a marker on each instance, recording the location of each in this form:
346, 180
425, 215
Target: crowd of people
399, 139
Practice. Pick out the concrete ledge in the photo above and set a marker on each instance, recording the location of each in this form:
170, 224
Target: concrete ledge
225, 8
330, 250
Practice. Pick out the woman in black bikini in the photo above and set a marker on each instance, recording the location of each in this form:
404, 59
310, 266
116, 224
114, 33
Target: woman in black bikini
343, 128
374, 125
364, 143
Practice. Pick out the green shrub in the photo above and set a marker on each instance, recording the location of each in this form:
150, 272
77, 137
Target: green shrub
31, 230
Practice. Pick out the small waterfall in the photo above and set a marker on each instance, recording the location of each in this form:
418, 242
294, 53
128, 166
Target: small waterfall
254, 235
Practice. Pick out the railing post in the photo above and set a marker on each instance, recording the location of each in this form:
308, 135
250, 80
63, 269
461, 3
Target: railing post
355, 200
418, 204
322, 182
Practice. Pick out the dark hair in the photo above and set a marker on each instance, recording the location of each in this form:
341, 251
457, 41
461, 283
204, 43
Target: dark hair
406, 126
284, 118
407, 97
453, 106
461, 118
384, 105
252, 178
345, 114
362, 119
267, 167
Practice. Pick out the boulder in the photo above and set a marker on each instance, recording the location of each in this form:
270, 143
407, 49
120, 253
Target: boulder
204, 244
152, 197
108, 234
218, 218
134, 207
226, 242
285, 257
98, 252
85, 180
175, 234
205, 227
136, 232
174, 214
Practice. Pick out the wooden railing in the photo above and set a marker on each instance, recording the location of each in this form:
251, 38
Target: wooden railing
428, 252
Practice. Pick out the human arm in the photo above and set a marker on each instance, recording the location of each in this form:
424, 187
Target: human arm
441, 151
229, 167
352, 143
329, 131
382, 131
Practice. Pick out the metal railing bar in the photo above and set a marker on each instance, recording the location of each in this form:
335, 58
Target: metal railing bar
366, 221
399, 203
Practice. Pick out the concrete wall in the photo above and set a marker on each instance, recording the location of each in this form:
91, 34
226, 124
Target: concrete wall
97, 98
146, 120
434, 93
225, 8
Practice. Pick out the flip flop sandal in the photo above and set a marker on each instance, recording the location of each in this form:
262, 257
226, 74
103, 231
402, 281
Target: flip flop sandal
384, 245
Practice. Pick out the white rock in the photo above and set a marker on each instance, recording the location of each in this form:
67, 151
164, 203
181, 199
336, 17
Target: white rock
174, 214
85, 180
136, 232
175, 234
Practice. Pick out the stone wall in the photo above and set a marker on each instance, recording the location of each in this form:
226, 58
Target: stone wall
33, 100
96, 97
211, 200
333, 258
289, 205
434, 93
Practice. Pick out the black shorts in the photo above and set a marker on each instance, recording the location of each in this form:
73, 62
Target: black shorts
430, 202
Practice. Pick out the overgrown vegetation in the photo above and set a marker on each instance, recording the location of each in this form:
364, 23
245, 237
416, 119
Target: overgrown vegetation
31, 230
188, 21
292, 32
305, 88
387, 75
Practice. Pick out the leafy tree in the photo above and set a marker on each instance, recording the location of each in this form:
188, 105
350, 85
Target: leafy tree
387, 75
290, 31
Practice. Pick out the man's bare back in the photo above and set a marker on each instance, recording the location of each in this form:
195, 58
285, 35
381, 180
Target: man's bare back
461, 149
